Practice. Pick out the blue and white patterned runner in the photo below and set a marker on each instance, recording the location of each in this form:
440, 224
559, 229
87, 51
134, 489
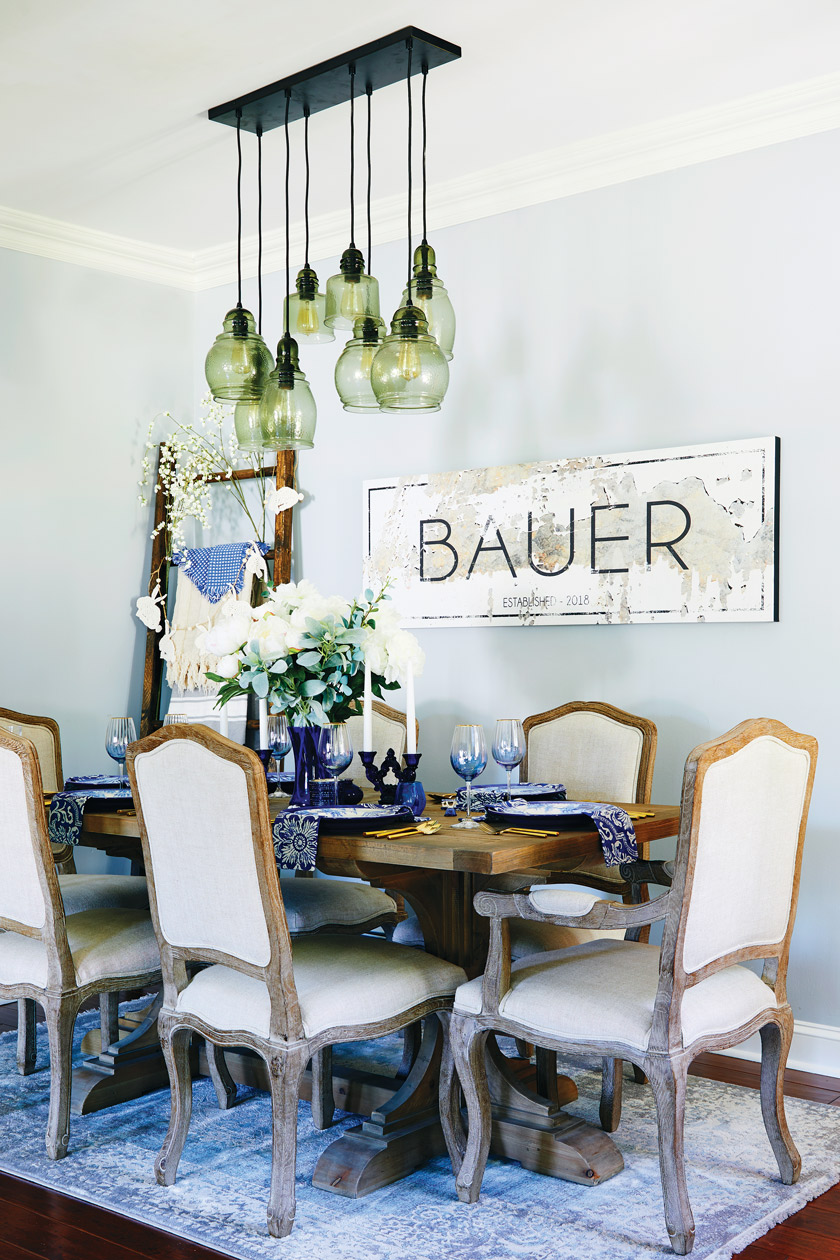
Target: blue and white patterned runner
295, 831
67, 811
618, 839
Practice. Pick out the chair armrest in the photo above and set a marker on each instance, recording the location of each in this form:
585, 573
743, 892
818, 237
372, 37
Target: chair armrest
552, 903
661, 873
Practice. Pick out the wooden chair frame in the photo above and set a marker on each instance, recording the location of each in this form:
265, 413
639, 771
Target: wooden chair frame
287, 1049
62, 996
666, 1060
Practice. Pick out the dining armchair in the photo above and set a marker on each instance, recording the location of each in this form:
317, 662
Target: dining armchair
47, 955
216, 899
389, 731
744, 809
78, 891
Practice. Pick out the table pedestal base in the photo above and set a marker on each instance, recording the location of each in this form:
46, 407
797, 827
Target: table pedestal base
128, 1068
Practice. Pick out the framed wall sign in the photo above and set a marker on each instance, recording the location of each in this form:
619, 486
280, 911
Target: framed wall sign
685, 534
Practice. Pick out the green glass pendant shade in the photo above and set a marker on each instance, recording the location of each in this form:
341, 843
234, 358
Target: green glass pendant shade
246, 424
429, 294
353, 369
307, 309
410, 372
239, 361
288, 414
351, 293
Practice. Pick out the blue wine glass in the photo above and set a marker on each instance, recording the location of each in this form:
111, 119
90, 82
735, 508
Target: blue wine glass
508, 745
279, 739
468, 756
335, 750
119, 735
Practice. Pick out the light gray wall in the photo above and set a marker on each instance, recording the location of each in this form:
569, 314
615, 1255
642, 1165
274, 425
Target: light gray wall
86, 360
689, 307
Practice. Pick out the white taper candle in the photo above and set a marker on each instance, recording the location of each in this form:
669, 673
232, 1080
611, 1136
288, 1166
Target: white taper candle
410, 719
223, 720
367, 714
263, 724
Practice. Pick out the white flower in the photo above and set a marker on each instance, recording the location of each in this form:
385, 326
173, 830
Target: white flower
148, 608
281, 499
227, 666
403, 651
229, 633
272, 637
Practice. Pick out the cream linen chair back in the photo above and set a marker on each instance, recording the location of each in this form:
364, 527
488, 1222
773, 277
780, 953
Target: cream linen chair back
751, 798
30, 901
598, 752
388, 732
44, 734
214, 894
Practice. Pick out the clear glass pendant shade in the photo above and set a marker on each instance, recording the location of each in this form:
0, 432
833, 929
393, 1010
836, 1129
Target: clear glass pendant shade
287, 409
239, 361
351, 293
307, 309
410, 372
353, 369
428, 292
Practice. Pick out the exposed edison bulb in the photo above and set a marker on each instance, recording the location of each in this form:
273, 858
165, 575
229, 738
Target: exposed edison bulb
409, 360
307, 321
352, 300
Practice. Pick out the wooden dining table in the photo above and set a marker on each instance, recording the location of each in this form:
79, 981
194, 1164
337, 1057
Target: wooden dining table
437, 875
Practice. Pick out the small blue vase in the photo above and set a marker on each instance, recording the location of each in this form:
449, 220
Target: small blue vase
411, 794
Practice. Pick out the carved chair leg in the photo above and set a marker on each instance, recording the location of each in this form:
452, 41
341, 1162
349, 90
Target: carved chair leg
667, 1079
638, 1075
27, 1048
285, 1071
523, 1048
468, 1043
775, 1044
109, 1019
61, 1020
450, 1100
323, 1098
223, 1082
176, 1051
611, 1087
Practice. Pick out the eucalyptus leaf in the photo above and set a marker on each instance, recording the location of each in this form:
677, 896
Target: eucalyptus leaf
260, 685
309, 660
313, 687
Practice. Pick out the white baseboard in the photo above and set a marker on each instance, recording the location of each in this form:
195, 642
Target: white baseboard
815, 1048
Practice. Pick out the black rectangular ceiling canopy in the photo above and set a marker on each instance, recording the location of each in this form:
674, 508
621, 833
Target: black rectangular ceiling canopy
320, 87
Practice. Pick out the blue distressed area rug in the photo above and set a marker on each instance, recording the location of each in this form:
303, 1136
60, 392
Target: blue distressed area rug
220, 1196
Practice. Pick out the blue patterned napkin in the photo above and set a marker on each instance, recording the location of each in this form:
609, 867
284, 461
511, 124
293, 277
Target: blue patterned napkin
496, 794
295, 835
67, 811
217, 570
618, 839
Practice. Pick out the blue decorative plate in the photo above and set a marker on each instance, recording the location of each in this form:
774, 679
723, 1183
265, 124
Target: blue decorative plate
542, 815
531, 791
352, 818
85, 782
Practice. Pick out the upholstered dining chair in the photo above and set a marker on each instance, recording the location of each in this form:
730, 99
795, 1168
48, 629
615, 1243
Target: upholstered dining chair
47, 955
78, 891
744, 810
215, 898
389, 731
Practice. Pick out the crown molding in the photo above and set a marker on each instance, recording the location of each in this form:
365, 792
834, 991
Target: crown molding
738, 126
86, 247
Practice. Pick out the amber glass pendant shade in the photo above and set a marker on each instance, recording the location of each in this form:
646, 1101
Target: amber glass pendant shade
288, 414
429, 294
239, 361
353, 369
306, 309
410, 372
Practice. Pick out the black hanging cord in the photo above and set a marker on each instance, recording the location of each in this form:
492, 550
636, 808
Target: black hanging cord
369, 90
306, 192
259, 228
238, 208
288, 164
352, 157
410, 45
423, 103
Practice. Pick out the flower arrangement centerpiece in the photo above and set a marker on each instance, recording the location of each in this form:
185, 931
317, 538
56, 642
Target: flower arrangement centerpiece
305, 654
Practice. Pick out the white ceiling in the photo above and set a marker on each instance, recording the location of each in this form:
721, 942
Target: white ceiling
105, 103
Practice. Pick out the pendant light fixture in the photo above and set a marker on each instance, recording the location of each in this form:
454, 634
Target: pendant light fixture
429, 292
307, 307
352, 371
287, 410
409, 372
352, 292
246, 416
238, 361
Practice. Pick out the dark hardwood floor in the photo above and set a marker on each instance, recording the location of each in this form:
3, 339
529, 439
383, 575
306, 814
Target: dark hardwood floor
35, 1222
